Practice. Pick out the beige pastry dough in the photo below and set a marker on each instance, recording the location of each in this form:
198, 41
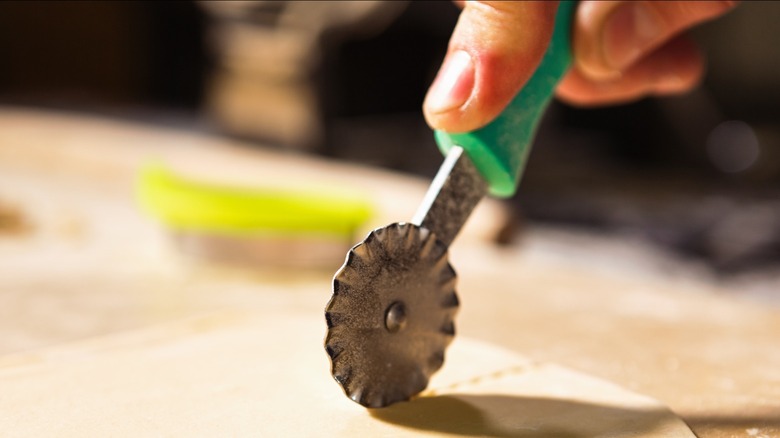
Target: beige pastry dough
248, 375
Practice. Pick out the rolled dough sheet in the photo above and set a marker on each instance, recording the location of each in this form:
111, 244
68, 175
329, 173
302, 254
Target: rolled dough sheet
250, 375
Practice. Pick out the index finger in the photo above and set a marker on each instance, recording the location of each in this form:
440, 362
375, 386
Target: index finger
610, 36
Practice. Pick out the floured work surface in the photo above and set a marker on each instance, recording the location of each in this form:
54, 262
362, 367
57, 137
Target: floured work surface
251, 375
79, 260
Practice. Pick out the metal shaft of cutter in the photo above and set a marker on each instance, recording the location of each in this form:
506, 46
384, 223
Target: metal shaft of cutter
455, 191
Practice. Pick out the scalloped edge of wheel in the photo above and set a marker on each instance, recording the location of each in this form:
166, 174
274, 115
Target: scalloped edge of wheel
352, 315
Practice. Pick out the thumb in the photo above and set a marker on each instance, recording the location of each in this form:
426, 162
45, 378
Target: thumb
494, 50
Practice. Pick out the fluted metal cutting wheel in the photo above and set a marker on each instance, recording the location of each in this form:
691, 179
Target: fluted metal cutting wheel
391, 315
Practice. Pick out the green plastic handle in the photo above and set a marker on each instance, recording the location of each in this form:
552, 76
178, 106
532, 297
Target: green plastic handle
500, 149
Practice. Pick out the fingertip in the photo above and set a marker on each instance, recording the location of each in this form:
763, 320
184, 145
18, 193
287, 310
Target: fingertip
479, 96
450, 121
611, 37
673, 69
505, 42
454, 84
447, 103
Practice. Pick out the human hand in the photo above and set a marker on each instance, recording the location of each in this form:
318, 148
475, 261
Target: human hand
622, 51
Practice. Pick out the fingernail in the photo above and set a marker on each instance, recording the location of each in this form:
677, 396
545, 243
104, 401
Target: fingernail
453, 85
629, 32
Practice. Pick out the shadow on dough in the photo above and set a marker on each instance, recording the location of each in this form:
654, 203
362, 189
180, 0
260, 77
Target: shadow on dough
509, 416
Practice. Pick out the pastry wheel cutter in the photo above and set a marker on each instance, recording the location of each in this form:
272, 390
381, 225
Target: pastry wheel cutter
391, 314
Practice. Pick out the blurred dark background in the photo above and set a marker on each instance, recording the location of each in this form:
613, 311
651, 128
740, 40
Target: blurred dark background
698, 174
